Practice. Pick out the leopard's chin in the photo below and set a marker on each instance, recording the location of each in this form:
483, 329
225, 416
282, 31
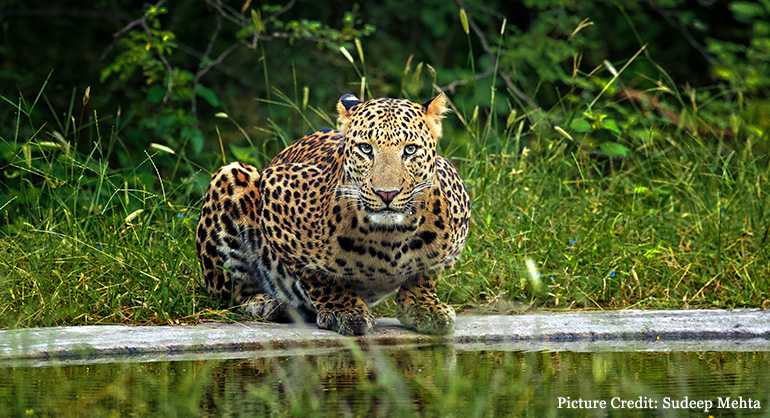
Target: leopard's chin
387, 217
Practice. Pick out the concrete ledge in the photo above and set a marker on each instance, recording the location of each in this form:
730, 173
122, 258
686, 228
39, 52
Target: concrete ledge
630, 330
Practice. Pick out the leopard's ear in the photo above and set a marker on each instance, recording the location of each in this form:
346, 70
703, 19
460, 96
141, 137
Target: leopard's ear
435, 109
344, 106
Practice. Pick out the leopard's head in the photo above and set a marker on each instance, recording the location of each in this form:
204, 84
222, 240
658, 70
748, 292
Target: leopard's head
390, 154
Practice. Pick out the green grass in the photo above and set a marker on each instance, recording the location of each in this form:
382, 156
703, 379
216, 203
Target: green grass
682, 225
682, 222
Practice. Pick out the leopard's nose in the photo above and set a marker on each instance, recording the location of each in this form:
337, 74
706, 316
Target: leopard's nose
387, 195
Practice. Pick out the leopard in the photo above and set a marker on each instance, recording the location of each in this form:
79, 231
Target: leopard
339, 221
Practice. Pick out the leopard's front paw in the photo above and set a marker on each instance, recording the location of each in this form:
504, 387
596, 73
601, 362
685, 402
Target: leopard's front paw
436, 318
346, 322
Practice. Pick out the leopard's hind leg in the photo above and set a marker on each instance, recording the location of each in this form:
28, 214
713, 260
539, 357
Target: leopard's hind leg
227, 239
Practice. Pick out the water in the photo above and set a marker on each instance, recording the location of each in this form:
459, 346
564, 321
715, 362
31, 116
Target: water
432, 381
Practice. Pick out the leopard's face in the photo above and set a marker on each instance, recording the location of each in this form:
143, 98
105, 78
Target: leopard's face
390, 154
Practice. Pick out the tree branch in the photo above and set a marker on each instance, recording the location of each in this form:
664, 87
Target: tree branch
451, 87
683, 30
652, 102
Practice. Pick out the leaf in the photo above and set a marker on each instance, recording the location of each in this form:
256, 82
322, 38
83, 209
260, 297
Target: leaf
563, 133
613, 149
534, 275
155, 94
511, 118
195, 136
208, 95
360, 50
245, 6
131, 216
161, 147
347, 55
611, 125
256, 20
746, 11
244, 154
464, 21
580, 125
48, 145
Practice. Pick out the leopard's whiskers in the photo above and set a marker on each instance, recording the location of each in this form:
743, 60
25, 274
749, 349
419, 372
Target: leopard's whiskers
419, 187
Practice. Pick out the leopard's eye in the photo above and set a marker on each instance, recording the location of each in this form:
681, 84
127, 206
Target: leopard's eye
410, 149
365, 148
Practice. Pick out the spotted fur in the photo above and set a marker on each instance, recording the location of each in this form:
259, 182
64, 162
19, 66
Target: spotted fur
339, 220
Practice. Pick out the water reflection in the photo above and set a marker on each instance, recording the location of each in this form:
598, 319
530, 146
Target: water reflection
395, 382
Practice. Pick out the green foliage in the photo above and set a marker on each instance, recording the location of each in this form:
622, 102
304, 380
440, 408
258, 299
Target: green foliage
746, 67
147, 49
550, 44
586, 121
169, 111
144, 50
302, 29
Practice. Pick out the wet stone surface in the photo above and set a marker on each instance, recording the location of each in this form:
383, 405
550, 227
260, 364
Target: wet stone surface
630, 330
